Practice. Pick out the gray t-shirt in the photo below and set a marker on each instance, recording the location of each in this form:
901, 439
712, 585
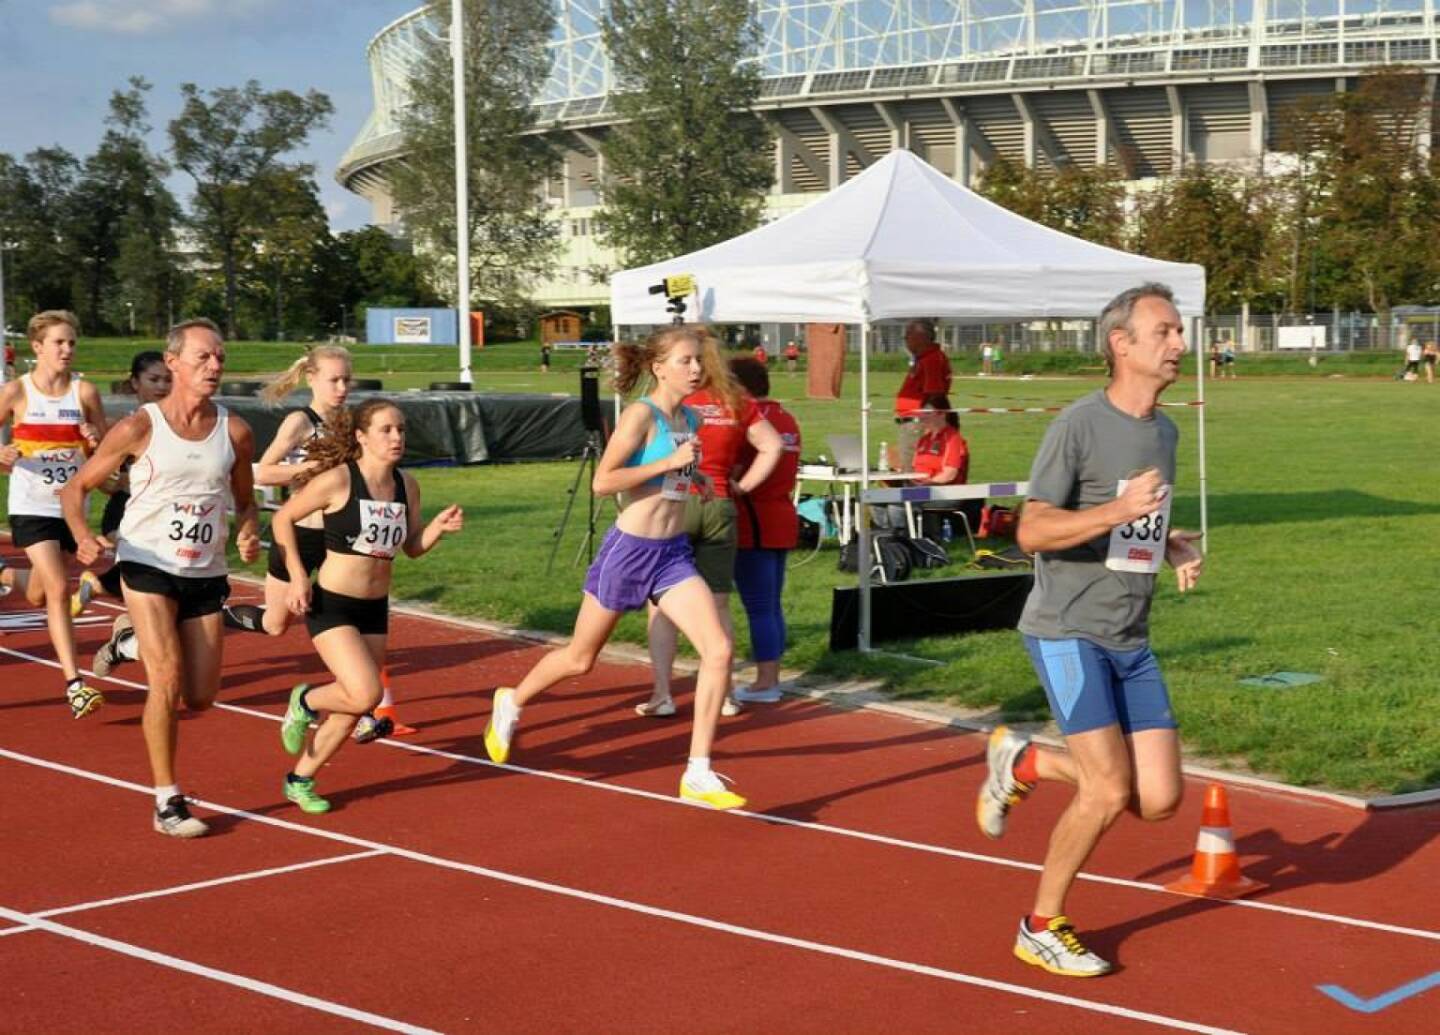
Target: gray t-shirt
1086, 452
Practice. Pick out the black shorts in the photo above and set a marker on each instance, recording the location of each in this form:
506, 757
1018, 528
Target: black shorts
114, 513
29, 529
312, 554
331, 610
197, 597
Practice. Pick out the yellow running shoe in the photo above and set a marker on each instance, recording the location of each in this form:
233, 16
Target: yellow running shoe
504, 715
80, 599
709, 790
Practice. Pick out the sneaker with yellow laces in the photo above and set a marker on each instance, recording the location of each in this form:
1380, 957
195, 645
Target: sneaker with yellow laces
1001, 789
708, 788
82, 699
1058, 950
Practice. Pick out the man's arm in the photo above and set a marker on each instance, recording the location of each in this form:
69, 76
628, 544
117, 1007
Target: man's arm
242, 488
125, 440
1044, 527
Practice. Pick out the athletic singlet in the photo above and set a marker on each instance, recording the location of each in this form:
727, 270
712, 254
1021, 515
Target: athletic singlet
365, 526
179, 494
674, 485
317, 428
51, 448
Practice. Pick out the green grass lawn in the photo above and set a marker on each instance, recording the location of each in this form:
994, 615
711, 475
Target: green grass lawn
1324, 520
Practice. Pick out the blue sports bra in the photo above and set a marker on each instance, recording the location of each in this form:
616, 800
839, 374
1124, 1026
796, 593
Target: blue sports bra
662, 443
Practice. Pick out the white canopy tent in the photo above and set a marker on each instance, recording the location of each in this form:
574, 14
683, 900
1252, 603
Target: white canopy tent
902, 240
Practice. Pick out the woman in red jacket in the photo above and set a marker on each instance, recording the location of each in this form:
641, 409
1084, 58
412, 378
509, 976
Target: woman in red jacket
767, 529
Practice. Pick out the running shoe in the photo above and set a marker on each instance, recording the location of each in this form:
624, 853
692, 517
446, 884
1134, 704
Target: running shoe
297, 721
175, 820
386, 713
504, 716
769, 695
372, 727
84, 593
108, 656
1001, 789
731, 706
1058, 949
301, 790
83, 699
5, 588
709, 790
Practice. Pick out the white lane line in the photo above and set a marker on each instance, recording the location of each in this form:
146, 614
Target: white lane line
16, 930
826, 828
690, 919
223, 976
237, 878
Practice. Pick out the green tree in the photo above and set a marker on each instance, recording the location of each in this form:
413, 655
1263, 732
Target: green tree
231, 145
513, 238
35, 215
687, 160
282, 260
1085, 203
1222, 220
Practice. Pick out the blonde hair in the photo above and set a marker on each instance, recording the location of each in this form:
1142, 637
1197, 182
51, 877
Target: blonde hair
337, 443
634, 359
285, 382
42, 322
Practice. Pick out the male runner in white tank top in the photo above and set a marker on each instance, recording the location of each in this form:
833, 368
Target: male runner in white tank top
59, 419
191, 458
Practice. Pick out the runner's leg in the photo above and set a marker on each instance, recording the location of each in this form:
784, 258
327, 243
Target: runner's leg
154, 616
355, 661
48, 581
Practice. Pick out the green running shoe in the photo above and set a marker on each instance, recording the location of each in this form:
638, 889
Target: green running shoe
301, 790
296, 722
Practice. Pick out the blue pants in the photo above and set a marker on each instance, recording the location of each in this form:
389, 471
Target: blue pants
1090, 687
760, 578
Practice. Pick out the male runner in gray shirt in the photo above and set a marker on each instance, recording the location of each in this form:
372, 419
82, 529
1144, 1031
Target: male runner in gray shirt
1097, 520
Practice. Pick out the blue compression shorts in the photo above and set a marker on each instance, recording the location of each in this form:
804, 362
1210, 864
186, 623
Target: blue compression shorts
1090, 687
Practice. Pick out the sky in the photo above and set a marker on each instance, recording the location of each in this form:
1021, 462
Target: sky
60, 60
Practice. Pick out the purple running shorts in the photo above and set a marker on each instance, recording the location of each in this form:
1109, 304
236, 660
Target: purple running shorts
629, 569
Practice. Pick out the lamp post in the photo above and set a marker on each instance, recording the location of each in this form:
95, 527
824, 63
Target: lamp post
5, 246
462, 188
130, 308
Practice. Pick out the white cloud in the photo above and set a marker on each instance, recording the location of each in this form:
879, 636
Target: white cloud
139, 17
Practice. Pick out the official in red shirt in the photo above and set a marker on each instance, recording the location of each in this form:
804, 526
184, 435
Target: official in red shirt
729, 421
768, 529
941, 457
929, 374
761, 356
792, 355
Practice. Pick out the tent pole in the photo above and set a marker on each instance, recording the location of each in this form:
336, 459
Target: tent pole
1200, 353
862, 515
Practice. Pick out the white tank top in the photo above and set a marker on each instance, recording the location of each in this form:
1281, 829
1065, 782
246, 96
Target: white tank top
179, 495
47, 433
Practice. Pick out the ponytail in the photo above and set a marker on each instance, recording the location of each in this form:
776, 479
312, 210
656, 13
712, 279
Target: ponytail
337, 445
289, 379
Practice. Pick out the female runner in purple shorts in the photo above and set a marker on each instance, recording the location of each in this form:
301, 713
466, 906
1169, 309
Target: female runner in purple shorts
646, 556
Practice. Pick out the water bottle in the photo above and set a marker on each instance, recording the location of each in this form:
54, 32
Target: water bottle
946, 532
884, 463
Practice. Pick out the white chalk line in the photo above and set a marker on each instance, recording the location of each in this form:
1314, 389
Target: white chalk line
689, 919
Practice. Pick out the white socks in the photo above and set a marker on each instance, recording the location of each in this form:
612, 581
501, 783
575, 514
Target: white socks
700, 777
164, 794
129, 647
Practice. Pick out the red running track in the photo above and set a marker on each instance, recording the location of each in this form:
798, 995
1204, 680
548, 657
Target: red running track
571, 892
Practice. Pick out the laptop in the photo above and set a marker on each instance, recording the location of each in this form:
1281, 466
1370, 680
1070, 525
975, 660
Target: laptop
846, 451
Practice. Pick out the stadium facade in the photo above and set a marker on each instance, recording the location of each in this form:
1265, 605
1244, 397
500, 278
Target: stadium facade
1147, 85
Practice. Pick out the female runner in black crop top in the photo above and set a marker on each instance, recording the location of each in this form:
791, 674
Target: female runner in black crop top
371, 511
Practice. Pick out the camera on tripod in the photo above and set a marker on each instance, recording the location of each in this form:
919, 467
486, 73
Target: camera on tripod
675, 289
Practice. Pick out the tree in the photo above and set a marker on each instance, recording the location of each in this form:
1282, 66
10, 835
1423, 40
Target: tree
1222, 220
1382, 200
284, 252
34, 217
513, 238
123, 219
687, 160
1085, 203
231, 145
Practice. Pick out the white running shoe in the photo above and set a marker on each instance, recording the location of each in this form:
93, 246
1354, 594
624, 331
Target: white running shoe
504, 717
731, 706
174, 820
769, 695
1058, 949
1001, 789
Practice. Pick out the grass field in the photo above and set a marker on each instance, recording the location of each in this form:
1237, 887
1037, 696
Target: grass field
1324, 522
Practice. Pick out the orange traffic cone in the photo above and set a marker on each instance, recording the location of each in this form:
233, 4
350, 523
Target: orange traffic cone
1215, 873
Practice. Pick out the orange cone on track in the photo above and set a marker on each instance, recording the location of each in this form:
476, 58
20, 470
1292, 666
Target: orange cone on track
1215, 873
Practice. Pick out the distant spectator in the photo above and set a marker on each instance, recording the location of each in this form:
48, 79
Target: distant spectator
929, 375
792, 356
767, 530
545, 357
1429, 355
761, 356
987, 359
1214, 359
1413, 353
1227, 358
998, 357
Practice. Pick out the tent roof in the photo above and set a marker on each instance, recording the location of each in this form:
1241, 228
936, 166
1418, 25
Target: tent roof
897, 241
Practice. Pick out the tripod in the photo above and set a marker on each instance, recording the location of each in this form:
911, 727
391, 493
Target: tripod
585, 469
